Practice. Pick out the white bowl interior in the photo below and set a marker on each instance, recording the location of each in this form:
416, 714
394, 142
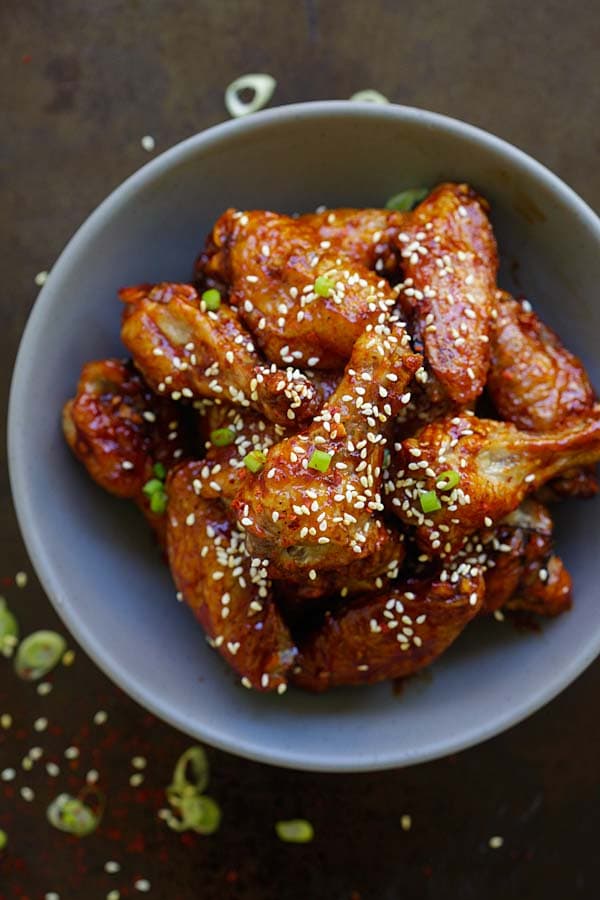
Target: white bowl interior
93, 553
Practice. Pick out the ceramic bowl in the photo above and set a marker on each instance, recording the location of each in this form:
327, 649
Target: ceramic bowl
93, 553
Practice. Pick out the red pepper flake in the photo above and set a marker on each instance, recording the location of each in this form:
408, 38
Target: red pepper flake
26, 58
232, 876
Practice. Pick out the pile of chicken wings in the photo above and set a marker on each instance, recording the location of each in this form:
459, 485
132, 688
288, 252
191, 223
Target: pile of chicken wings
344, 436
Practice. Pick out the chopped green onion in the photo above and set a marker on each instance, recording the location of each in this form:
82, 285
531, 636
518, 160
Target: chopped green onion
198, 813
38, 653
324, 285
211, 299
9, 629
152, 486
260, 83
447, 480
191, 770
295, 831
387, 458
429, 501
255, 460
369, 96
158, 502
222, 437
320, 460
195, 811
70, 814
407, 200
159, 470
3, 839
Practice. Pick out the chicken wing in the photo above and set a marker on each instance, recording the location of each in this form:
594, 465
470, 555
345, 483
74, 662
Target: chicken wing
389, 635
119, 430
303, 300
498, 466
185, 350
228, 592
534, 382
537, 384
313, 506
450, 262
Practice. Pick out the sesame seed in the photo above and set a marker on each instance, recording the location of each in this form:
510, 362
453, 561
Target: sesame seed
100, 717
7, 774
41, 278
496, 842
148, 143
112, 867
40, 724
21, 579
142, 884
27, 794
406, 822
71, 753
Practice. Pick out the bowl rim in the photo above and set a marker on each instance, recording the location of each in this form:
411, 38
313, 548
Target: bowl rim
32, 533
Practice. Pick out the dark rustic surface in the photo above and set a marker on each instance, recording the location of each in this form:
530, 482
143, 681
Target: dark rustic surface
81, 82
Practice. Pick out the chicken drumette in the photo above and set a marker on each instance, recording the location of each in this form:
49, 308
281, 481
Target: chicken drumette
228, 591
497, 467
120, 430
315, 504
185, 350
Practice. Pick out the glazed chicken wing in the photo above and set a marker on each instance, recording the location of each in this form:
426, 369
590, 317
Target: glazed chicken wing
314, 505
534, 382
450, 261
498, 467
119, 430
228, 592
389, 635
303, 300
537, 384
185, 350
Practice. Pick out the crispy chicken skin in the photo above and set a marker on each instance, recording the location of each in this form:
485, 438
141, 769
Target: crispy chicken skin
498, 465
534, 382
185, 350
388, 635
304, 520
271, 264
450, 260
119, 429
228, 592
537, 384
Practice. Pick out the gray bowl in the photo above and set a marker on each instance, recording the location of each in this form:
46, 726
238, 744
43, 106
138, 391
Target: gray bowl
92, 552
